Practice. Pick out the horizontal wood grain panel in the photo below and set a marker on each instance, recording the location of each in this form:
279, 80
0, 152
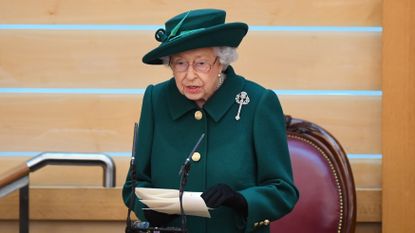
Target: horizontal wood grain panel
58, 175
86, 123
112, 59
65, 226
365, 227
104, 123
70, 203
354, 120
366, 172
106, 204
265, 12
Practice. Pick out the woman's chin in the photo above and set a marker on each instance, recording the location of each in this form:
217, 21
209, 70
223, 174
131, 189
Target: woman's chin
193, 97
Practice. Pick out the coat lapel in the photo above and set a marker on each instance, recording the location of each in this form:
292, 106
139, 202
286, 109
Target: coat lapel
224, 97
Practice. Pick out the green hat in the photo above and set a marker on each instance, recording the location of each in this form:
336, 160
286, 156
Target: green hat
195, 29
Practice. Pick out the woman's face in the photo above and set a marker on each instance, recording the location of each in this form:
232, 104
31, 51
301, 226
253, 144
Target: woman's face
196, 73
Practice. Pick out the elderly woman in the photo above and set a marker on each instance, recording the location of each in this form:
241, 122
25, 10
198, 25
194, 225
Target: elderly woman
242, 166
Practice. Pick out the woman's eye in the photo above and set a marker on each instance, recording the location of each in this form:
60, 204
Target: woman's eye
201, 63
180, 62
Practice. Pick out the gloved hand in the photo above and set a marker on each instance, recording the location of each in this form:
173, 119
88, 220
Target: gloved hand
158, 219
222, 194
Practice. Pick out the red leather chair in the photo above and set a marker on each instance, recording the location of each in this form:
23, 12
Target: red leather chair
324, 178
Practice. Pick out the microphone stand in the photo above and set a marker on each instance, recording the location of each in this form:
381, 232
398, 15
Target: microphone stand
183, 181
184, 173
129, 223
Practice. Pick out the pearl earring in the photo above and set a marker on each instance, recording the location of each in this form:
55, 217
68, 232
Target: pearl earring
220, 80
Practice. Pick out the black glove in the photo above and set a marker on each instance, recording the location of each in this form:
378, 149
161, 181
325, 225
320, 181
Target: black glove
222, 194
158, 219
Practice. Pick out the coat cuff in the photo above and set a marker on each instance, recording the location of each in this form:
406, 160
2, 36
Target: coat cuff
254, 221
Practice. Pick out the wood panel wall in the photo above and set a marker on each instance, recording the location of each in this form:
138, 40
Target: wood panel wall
111, 59
264, 12
398, 116
280, 60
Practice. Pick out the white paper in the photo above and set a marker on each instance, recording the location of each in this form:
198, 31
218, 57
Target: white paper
167, 201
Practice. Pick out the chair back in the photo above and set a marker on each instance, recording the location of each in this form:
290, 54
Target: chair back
323, 176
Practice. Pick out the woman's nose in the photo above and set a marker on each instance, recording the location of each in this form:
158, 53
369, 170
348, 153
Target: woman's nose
191, 73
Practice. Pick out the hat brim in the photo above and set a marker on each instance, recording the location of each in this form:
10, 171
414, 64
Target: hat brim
230, 34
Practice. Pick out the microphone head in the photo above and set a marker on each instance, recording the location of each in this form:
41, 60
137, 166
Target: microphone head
140, 225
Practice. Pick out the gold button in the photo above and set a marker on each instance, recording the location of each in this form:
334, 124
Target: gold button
266, 222
198, 115
196, 156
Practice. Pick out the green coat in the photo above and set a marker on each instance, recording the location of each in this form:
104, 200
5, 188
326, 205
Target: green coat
250, 154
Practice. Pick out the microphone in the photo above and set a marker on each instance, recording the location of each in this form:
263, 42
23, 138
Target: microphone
137, 225
144, 227
134, 145
133, 179
186, 163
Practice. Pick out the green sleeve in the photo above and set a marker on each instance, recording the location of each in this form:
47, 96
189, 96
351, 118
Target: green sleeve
142, 154
275, 194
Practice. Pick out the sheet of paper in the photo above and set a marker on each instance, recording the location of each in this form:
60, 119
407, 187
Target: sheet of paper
167, 201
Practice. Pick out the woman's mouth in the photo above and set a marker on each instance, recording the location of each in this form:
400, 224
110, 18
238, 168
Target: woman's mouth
192, 89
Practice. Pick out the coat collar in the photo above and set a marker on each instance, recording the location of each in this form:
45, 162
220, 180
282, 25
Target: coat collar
217, 104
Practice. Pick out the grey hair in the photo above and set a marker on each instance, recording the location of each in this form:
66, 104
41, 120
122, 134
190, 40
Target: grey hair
165, 60
226, 55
